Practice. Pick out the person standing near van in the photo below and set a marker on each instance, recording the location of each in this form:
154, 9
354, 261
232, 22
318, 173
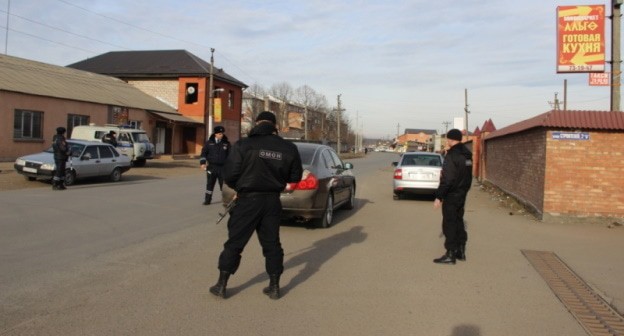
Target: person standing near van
213, 155
62, 152
110, 138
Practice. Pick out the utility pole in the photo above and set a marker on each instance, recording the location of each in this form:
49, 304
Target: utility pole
565, 94
305, 122
446, 125
398, 130
466, 110
338, 122
615, 54
208, 122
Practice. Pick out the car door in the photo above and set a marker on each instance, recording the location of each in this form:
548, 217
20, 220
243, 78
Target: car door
87, 165
107, 160
341, 188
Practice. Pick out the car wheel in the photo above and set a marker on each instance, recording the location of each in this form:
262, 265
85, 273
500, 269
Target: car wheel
30, 178
396, 197
328, 215
351, 202
70, 177
115, 176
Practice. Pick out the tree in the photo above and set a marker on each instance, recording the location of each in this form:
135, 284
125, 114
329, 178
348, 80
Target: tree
284, 92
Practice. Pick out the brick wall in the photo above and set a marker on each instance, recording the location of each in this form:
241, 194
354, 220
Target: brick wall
516, 164
585, 177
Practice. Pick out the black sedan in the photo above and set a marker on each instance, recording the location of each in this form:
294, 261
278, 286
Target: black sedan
327, 184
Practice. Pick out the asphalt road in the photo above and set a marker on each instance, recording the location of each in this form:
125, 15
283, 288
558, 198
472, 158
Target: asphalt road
137, 258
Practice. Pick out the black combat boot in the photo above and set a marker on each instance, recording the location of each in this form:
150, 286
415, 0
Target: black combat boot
55, 185
207, 200
219, 288
461, 252
447, 258
61, 185
273, 291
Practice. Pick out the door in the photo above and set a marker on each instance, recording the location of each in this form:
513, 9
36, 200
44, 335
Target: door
159, 142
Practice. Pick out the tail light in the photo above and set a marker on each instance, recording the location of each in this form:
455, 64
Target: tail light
308, 182
398, 174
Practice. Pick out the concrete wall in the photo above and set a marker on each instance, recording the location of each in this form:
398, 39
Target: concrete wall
585, 177
517, 163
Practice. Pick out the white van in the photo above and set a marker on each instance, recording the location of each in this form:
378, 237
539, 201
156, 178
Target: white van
131, 142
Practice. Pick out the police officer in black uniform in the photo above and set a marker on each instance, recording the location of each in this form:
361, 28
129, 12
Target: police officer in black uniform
258, 169
110, 138
62, 152
455, 182
212, 159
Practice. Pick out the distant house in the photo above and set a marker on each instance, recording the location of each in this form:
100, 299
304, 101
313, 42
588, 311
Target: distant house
417, 139
36, 98
560, 163
180, 79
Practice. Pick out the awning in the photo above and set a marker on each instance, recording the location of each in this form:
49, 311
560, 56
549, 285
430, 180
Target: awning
176, 118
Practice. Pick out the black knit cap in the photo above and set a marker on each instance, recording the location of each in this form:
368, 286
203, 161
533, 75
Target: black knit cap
60, 130
454, 134
266, 115
219, 129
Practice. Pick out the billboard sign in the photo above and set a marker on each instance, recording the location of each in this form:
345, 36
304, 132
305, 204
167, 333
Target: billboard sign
581, 44
599, 79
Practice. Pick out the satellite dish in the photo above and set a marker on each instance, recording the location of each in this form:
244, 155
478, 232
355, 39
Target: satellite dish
190, 90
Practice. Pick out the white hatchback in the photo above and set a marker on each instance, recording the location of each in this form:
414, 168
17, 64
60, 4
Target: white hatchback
417, 173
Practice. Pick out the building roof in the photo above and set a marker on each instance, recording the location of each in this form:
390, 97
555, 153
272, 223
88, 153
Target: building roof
153, 64
488, 126
418, 130
588, 120
41, 79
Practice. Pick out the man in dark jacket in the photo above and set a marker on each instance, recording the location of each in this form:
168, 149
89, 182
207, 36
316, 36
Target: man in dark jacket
110, 138
61, 154
455, 182
258, 169
212, 159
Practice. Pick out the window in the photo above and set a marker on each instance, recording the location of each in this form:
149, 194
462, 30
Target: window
136, 124
93, 151
190, 93
105, 152
28, 125
76, 120
231, 99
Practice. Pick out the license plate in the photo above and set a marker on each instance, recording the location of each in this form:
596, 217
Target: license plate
30, 170
420, 177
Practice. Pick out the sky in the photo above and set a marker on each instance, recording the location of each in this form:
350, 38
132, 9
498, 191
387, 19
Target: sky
395, 64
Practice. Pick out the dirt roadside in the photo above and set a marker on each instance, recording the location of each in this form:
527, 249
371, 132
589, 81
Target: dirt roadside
11, 180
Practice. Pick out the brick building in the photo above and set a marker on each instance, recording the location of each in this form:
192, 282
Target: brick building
36, 98
181, 80
560, 163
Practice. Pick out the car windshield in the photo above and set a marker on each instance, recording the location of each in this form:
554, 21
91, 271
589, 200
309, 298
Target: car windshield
421, 160
140, 137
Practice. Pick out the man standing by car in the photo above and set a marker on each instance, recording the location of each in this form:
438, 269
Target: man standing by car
212, 159
61, 154
455, 182
110, 138
258, 169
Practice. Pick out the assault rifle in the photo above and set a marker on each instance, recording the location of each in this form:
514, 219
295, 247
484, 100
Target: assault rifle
227, 210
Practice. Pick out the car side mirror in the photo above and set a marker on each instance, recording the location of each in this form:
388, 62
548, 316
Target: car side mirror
86, 156
395, 163
348, 165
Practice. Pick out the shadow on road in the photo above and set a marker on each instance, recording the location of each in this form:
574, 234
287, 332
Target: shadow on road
312, 258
